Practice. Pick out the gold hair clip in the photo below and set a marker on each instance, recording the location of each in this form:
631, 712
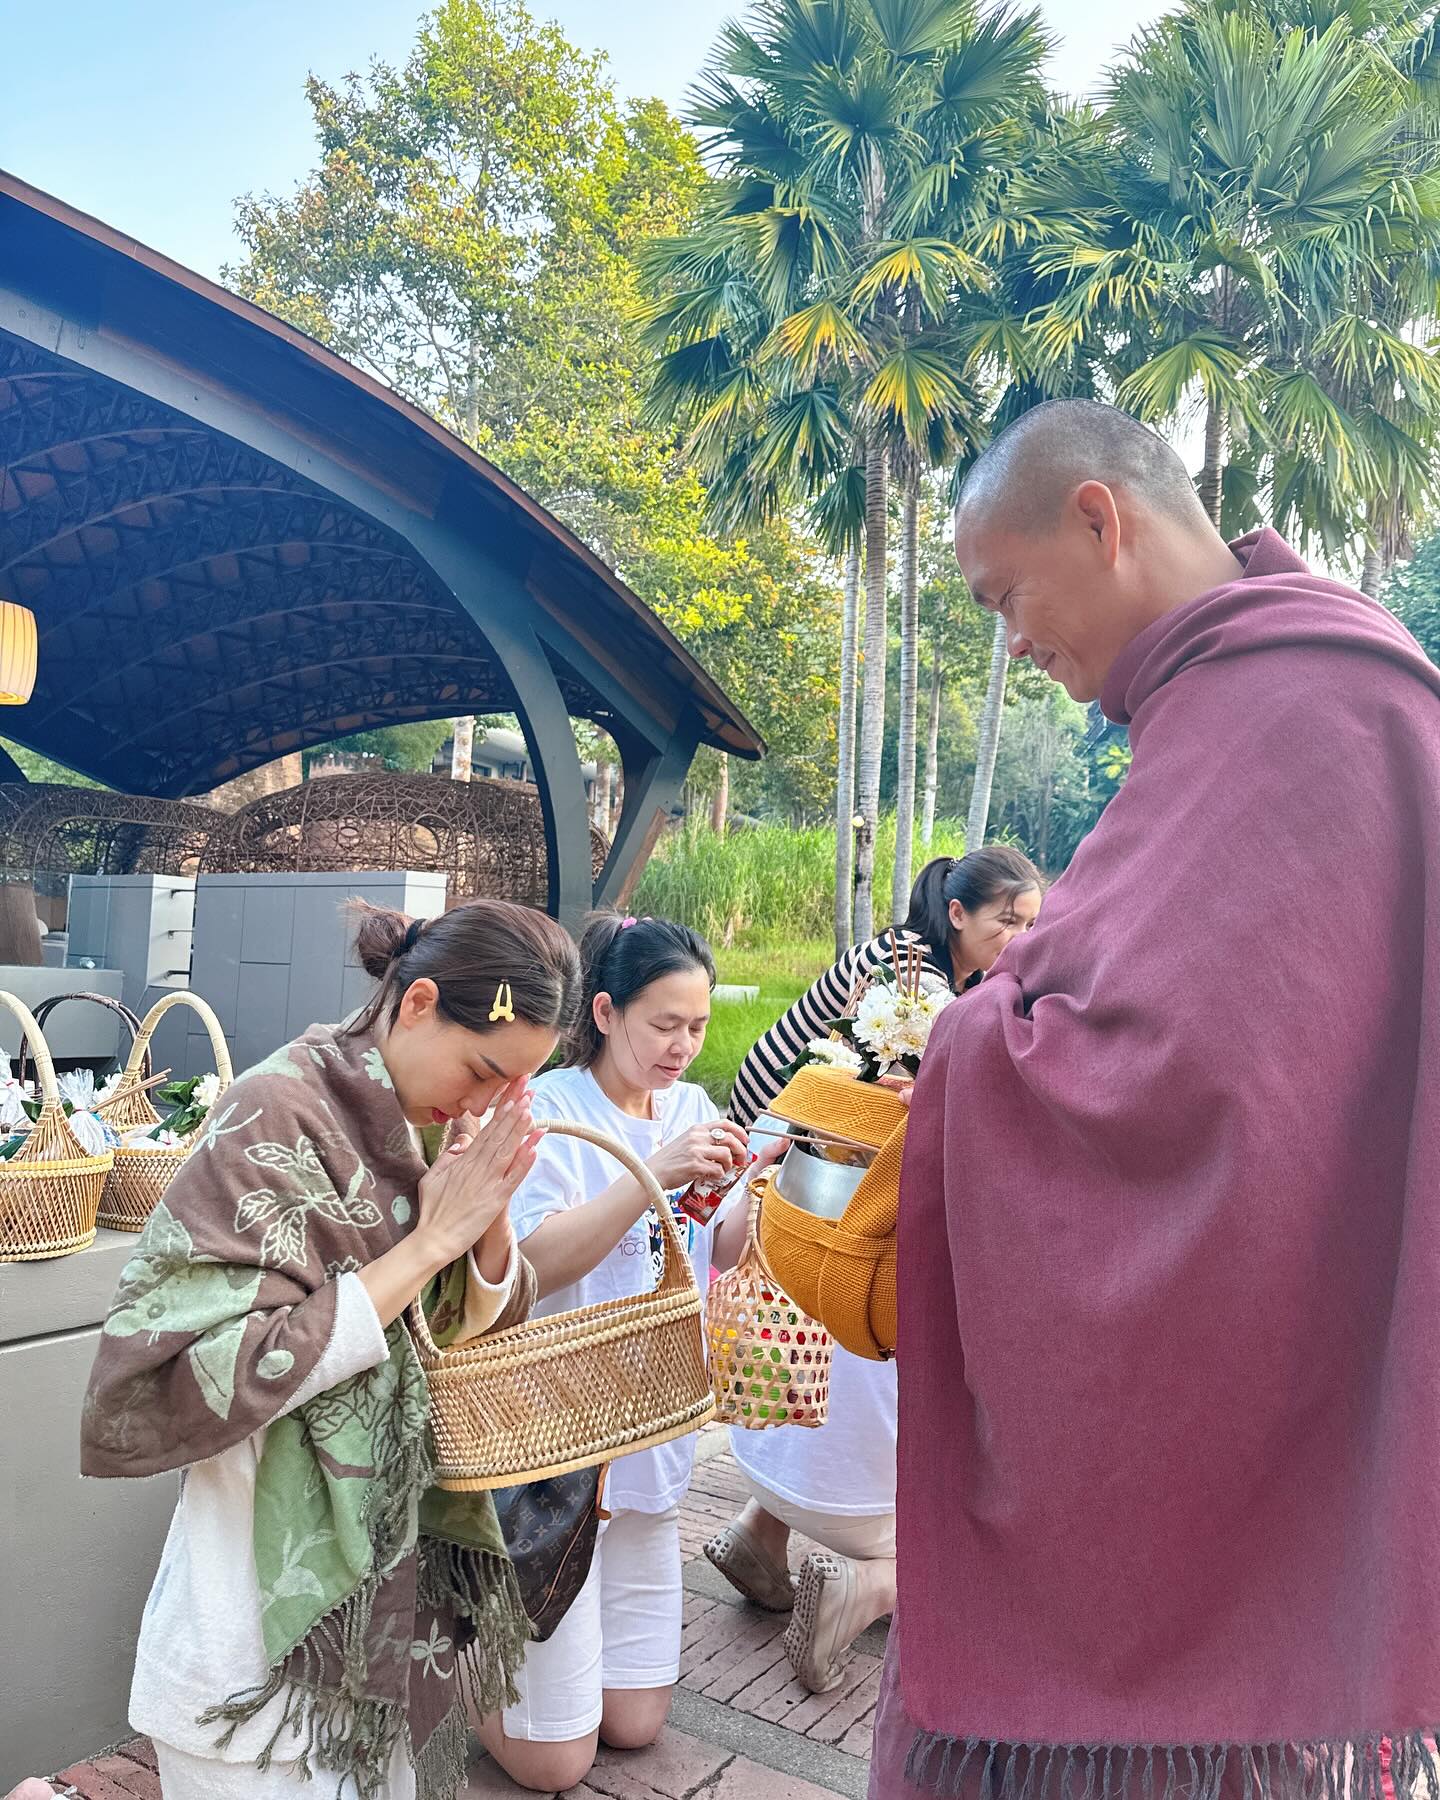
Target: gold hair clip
504, 1007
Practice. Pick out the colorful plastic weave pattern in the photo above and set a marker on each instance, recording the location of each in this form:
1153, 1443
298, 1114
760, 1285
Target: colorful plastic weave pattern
769, 1361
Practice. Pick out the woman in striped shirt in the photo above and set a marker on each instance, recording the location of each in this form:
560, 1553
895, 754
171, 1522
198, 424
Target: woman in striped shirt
963, 912
836, 1486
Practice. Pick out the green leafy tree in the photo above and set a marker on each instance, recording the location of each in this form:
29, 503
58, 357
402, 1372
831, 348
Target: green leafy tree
409, 747
1413, 594
469, 235
44, 769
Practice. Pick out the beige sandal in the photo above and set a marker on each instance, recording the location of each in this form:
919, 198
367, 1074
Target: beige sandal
749, 1570
818, 1652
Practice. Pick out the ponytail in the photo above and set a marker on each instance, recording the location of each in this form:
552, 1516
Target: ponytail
996, 872
622, 957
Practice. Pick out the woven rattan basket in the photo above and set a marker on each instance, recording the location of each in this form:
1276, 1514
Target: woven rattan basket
141, 1175
577, 1388
769, 1362
47, 1006
50, 1190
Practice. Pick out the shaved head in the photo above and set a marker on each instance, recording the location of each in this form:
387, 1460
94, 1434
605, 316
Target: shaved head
1080, 527
1024, 477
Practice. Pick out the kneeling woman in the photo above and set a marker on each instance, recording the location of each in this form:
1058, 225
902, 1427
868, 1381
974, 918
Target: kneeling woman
608, 1671
318, 1600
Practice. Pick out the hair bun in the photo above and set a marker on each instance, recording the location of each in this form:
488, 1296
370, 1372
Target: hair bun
381, 935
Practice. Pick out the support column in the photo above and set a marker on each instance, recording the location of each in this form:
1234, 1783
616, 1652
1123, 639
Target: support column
499, 605
653, 780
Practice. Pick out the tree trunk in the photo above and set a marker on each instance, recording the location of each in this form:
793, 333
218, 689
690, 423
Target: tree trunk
872, 717
462, 750
845, 761
1372, 576
989, 740
600, 800
932, 746
909, 694
1212, 476
472, 402
720, 804
20, 933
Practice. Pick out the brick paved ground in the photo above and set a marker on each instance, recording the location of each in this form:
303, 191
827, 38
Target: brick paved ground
741, 1727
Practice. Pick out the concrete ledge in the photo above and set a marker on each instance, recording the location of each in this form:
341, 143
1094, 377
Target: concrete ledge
63, 1293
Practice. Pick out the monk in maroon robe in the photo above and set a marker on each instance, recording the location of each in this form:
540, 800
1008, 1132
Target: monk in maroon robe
1169, 1247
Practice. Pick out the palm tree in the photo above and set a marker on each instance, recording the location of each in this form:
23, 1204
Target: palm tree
845, 761
987, 745
932, 736
1254, 178
859, 140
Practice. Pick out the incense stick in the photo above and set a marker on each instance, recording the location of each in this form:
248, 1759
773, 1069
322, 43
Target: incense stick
812, 1135
126, 1091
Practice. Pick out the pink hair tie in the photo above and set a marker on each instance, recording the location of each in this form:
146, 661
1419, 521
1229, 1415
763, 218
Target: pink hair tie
625, 924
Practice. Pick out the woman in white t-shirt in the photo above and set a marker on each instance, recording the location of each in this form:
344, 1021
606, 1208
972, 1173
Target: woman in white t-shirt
608, 1671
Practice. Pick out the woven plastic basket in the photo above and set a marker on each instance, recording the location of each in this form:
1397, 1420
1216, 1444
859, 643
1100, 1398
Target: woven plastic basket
579, 1387
141, 1175
769, 1362
50, 1190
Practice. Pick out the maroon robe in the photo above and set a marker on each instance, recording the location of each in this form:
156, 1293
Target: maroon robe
1169, 1251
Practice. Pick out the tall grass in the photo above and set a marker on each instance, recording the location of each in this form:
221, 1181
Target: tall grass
766, 885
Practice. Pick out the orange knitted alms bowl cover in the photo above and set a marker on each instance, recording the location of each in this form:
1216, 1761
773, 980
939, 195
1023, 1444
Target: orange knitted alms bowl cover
842, 1271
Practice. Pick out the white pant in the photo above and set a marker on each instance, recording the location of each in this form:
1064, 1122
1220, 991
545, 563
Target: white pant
862, 1537
623, 1631
184, 1777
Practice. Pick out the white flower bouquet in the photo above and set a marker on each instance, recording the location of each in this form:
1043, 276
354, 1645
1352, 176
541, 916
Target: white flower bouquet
887, 1030
191, 1100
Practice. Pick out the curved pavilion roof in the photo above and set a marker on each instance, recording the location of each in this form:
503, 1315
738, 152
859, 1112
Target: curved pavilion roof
238, 545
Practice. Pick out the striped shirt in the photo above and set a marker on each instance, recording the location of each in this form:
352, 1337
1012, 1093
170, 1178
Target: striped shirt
760, 1077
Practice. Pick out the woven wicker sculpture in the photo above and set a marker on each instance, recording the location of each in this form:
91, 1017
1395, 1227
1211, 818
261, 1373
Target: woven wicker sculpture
89, 831
487, 836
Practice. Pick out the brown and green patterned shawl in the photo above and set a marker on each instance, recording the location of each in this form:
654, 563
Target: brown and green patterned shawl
379, 1593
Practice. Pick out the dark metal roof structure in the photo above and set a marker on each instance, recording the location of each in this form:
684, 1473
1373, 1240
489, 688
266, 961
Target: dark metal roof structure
238, 545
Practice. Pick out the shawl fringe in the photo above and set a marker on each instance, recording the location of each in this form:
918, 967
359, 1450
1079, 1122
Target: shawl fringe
349, 1734
442, 1762
1331, 1769
482, 1593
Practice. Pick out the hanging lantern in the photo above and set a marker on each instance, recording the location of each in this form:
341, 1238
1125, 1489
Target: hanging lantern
19, 652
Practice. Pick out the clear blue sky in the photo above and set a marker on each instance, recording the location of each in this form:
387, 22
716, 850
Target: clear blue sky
155, 114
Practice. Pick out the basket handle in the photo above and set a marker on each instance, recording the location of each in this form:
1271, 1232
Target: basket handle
623, 1154
140, 1054
757, 1185
48, 1005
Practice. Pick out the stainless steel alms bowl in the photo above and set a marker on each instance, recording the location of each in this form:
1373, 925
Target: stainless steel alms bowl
815, 1185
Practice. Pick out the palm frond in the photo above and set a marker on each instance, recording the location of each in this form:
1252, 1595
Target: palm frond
928, 269
818, 336
911, 386
1203, 359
